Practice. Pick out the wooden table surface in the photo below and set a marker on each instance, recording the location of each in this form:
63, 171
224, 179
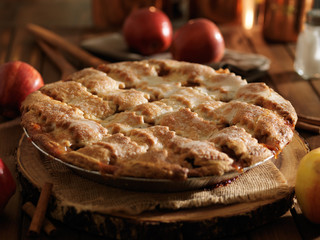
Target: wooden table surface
72, 20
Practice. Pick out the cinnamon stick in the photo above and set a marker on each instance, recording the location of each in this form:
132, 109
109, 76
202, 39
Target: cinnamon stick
61, 43
48, 227
65, 67
308, 127
309, 119
40, 211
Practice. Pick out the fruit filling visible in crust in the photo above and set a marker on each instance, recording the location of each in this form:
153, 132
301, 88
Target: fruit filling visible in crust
160, 119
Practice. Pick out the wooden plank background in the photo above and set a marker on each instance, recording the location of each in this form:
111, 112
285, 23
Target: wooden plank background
72, 19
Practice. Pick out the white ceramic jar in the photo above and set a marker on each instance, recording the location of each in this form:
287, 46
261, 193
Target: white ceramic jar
307, 60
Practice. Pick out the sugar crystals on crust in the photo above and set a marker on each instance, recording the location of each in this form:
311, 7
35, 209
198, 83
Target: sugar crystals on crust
159, 119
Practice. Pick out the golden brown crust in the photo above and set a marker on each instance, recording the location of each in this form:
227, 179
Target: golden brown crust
158, 119
76, 95
260, 94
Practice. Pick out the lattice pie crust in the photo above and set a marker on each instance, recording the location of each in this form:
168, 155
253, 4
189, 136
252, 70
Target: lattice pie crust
158, 119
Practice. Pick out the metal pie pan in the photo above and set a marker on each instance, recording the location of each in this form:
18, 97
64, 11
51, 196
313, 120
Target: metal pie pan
148, 184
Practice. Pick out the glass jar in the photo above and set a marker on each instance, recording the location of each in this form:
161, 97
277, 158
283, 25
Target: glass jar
307, 60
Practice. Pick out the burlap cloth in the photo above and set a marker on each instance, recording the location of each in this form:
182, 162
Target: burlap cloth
262, 182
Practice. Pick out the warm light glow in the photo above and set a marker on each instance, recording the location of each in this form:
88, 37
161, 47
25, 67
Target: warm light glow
152, 9
248, 21
166, 30
248, 13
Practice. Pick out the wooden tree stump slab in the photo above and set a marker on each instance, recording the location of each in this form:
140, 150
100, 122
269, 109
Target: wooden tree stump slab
202, 222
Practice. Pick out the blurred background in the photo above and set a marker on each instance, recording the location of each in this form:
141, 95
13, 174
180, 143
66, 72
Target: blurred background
281, 20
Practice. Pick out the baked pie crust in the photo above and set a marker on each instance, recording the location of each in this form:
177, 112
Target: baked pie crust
159, 119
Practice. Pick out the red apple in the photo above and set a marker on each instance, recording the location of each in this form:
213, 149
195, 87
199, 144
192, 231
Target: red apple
17, 80
7, 185
199, 41
148, 31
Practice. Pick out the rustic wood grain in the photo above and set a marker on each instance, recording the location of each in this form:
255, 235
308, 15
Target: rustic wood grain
287, 82
236, 40
212, 221
68, 15
4, 43
282, 228
65, 45
57, 58
10, 219
306, 229
316, 85
72, 13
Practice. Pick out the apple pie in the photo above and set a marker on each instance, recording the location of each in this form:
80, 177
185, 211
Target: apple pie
159, 119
